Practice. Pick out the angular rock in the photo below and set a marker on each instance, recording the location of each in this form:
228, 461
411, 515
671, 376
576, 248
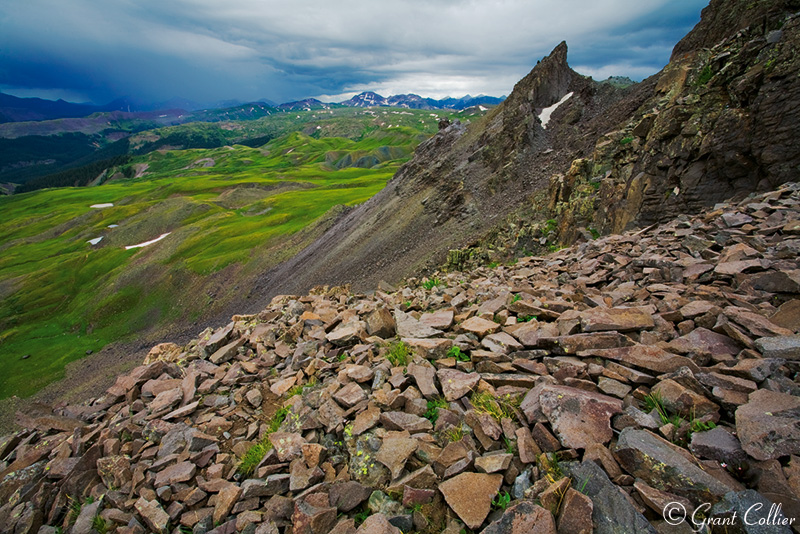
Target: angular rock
456, 384
407, 326
180, 472
501, 343
350, 395
405, 421
645, 356
717, 444
377, 524
768, 426
470, 496
313, 515
479, 326
346, 496
381, 323
440, 320
394, 452
424, 376
579, 418
786, 347
666, 466
156, 519
618, 319
431, 348
523, 518
612, 513
576, 513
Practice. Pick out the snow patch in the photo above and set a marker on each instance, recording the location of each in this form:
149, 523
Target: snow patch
113, 225
546, 112
95, 241
101, 206
159, 238
482, 108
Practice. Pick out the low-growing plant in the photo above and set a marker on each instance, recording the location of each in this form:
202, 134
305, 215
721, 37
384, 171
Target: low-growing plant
432, 413
253, 456
550, 463
431, 283
454, 433
505, 406
456, 352
526, 318
398, 353
511, 446
100, 525
501, 500
517, 297
361, 516
626, 140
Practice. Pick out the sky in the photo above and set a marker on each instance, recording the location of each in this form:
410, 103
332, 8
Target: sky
247, 50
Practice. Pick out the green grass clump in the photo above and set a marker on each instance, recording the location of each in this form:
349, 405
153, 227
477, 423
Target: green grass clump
253, 456
398, 354
505, 406
705, 75
455, 433
100, 525
626, 140
430, 284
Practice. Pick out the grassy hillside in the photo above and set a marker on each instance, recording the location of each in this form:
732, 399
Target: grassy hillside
230, 212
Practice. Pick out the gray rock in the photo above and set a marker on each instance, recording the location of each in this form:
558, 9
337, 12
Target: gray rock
786, 347
749, 512
768, 426
666, 466
611, 512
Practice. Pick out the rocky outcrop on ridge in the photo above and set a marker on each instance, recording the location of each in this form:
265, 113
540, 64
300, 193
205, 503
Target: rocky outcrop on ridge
721, 120
579, 392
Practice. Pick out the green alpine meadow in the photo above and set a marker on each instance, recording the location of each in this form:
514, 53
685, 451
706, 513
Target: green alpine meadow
151, 243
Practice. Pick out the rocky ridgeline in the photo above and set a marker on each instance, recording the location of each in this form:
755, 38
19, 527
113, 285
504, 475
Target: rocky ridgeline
580, 392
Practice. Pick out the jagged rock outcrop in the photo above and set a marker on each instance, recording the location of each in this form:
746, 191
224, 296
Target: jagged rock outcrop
565, 158
580, 392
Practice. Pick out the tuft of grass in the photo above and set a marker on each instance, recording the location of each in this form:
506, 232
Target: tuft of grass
253, 456
100, 525
511, 447
456, 352
361, 516
398, 354
430, 284
505, 406
455, 433
550, 463
526, 318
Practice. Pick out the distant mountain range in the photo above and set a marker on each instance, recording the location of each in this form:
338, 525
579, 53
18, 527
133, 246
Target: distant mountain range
15, 109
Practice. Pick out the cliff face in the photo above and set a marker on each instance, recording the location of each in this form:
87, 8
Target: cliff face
722, 120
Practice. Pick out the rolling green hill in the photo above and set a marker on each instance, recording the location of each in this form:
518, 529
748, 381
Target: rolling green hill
230, 213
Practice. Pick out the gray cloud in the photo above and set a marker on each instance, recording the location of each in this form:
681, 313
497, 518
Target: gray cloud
207, 50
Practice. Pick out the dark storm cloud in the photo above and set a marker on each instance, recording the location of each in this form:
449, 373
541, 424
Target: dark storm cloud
207, 50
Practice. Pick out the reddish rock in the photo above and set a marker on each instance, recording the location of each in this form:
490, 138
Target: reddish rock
576, 514
579, 418
618, 319
313, 515
394, 452
456, 384
767, 425
480, 327
470, 496
350, 395
523, 518
180, 472
405, 421
644, 356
